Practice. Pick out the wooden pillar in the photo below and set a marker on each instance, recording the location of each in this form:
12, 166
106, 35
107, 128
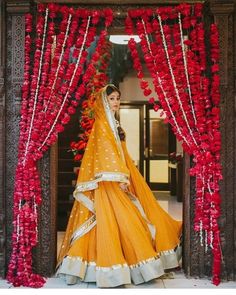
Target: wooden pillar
14, 47
2, 141
224, 16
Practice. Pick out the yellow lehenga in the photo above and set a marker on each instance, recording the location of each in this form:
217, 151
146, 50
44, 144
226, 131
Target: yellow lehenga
114, 236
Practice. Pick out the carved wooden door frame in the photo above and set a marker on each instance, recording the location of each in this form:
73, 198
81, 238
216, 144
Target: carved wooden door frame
196, 262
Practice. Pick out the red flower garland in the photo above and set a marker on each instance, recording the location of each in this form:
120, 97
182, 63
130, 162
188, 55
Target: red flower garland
194, 120
44, 111
100, 61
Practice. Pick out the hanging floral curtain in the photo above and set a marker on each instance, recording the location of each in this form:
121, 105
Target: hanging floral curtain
173, 42
54, 81
98, 80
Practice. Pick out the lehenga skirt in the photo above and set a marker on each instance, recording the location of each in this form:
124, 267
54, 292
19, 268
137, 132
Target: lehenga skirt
133, 240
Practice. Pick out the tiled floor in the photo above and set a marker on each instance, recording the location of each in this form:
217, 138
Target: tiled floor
169, 203
171, 280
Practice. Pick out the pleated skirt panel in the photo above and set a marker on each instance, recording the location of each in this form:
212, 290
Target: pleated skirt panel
122, 247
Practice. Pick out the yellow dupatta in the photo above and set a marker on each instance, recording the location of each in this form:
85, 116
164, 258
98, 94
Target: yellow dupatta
103, 160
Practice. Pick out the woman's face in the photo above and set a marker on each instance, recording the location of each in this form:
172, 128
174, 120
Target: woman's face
114, 101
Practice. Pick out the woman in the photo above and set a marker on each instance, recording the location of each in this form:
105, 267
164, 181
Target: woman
117, 232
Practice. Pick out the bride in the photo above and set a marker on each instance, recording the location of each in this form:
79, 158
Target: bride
117, 232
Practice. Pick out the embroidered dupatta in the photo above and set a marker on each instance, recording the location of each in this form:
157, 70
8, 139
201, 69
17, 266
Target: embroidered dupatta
103, 160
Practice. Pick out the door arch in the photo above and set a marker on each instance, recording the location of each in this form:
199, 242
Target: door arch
196, 262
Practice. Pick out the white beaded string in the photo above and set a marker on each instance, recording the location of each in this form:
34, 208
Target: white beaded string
60, 60
173, 78
186, 69
206, 242
160, 83
202, 199
77, 64
212, 206
37, 87
201, 232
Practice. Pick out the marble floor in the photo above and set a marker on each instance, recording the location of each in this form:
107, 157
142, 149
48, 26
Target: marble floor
170, 204
171, 280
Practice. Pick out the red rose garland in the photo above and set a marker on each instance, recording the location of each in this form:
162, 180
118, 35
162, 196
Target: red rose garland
158, 83
183, 91
40, 44
215, 143
24, 232
100, 61
67, 92
39, 112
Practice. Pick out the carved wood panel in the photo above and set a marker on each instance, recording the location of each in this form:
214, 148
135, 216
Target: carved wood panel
45, 251
234, 179
2, 142
225, 19
15, 37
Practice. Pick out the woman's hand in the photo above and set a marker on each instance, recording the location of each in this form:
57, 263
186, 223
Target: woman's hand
124, 187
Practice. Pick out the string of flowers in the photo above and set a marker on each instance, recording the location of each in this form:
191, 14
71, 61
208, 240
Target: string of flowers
21, 256
215, 144
23, 233
162, 86
207, 206
174, 81
37, 76
26, 84
59, 63
183, 87
68, 90
152, 66
98, 80
81, 89
189, 102
52, 97
197, 66
138, 66
36, 89
198, 217
186, 68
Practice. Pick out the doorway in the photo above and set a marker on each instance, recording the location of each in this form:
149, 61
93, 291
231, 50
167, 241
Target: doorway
151, 143
156, 150
148, 141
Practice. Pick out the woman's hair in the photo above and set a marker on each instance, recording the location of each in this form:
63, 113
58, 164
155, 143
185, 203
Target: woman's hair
112, 88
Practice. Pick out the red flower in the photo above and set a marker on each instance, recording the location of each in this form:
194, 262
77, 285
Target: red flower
156, 107
78, 157
41, 7
147, 92
151, 100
